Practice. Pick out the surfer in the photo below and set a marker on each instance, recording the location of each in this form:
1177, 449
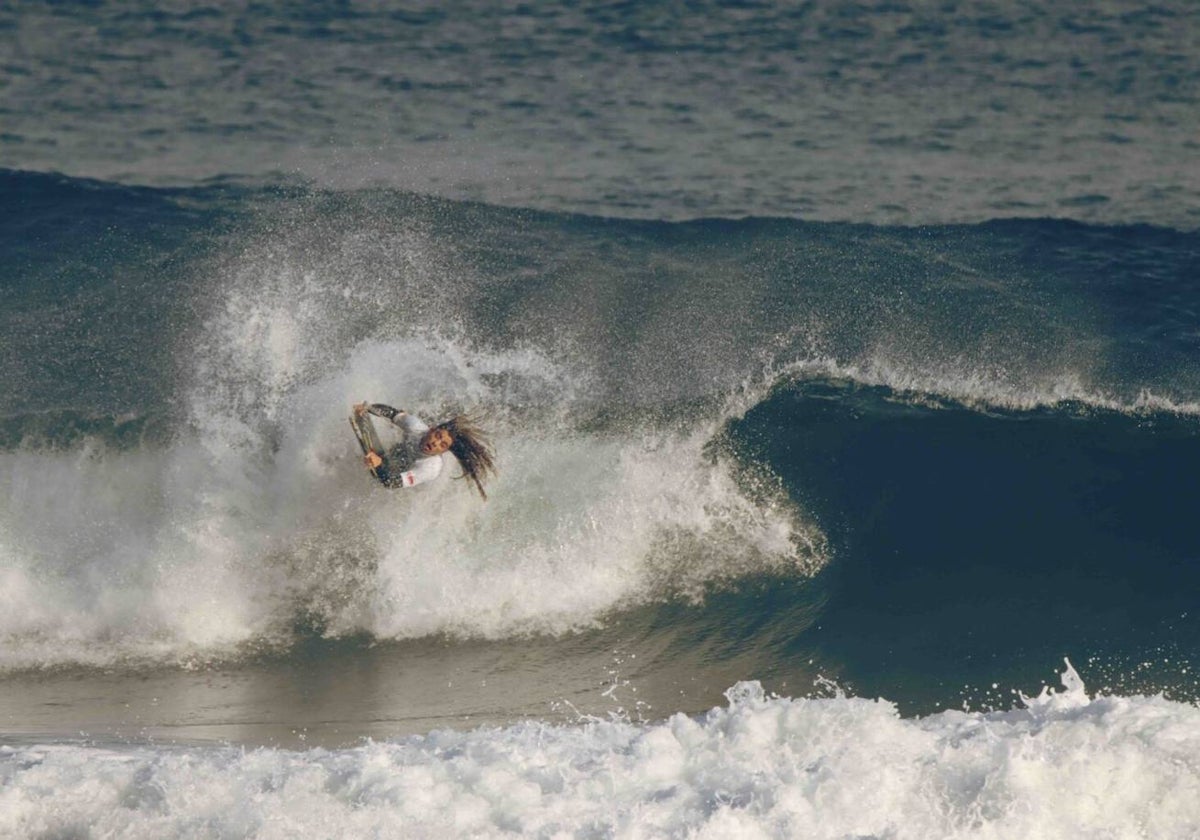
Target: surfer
417, 458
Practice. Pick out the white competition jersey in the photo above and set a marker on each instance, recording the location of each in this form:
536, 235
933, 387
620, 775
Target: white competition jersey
406, 466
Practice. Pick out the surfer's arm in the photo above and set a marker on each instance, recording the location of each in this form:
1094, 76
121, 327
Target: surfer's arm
411, 425
386, 412
425, 469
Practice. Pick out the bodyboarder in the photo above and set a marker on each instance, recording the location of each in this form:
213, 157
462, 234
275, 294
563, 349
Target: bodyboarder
417, 458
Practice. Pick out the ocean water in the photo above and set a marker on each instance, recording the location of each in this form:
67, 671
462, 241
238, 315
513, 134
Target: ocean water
842, 363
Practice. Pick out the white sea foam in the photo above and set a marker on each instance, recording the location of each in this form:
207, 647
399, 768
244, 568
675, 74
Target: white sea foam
1063, 766
263, 514
259, 512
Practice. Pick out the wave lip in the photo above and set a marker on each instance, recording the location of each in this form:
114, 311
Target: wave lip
1065, 765
981, 390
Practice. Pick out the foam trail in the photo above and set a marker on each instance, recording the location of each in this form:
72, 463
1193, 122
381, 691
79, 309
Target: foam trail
1065, 766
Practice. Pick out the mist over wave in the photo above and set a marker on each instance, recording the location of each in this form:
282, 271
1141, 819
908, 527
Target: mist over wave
250, 519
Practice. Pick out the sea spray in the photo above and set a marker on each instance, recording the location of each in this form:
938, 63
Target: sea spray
264, 521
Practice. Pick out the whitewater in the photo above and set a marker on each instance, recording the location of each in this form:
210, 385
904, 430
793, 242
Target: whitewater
1062, 764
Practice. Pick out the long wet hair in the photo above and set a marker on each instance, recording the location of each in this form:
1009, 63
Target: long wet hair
472, 449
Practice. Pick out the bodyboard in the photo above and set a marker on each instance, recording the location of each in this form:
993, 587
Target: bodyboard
364, 430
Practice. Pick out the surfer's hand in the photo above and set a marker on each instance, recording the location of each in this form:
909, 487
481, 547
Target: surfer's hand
360, 409
372, 460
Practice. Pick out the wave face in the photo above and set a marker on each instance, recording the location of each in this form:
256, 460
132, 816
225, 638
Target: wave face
920, 458
972, 541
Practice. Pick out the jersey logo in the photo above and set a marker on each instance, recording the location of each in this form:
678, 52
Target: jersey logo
410, 479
